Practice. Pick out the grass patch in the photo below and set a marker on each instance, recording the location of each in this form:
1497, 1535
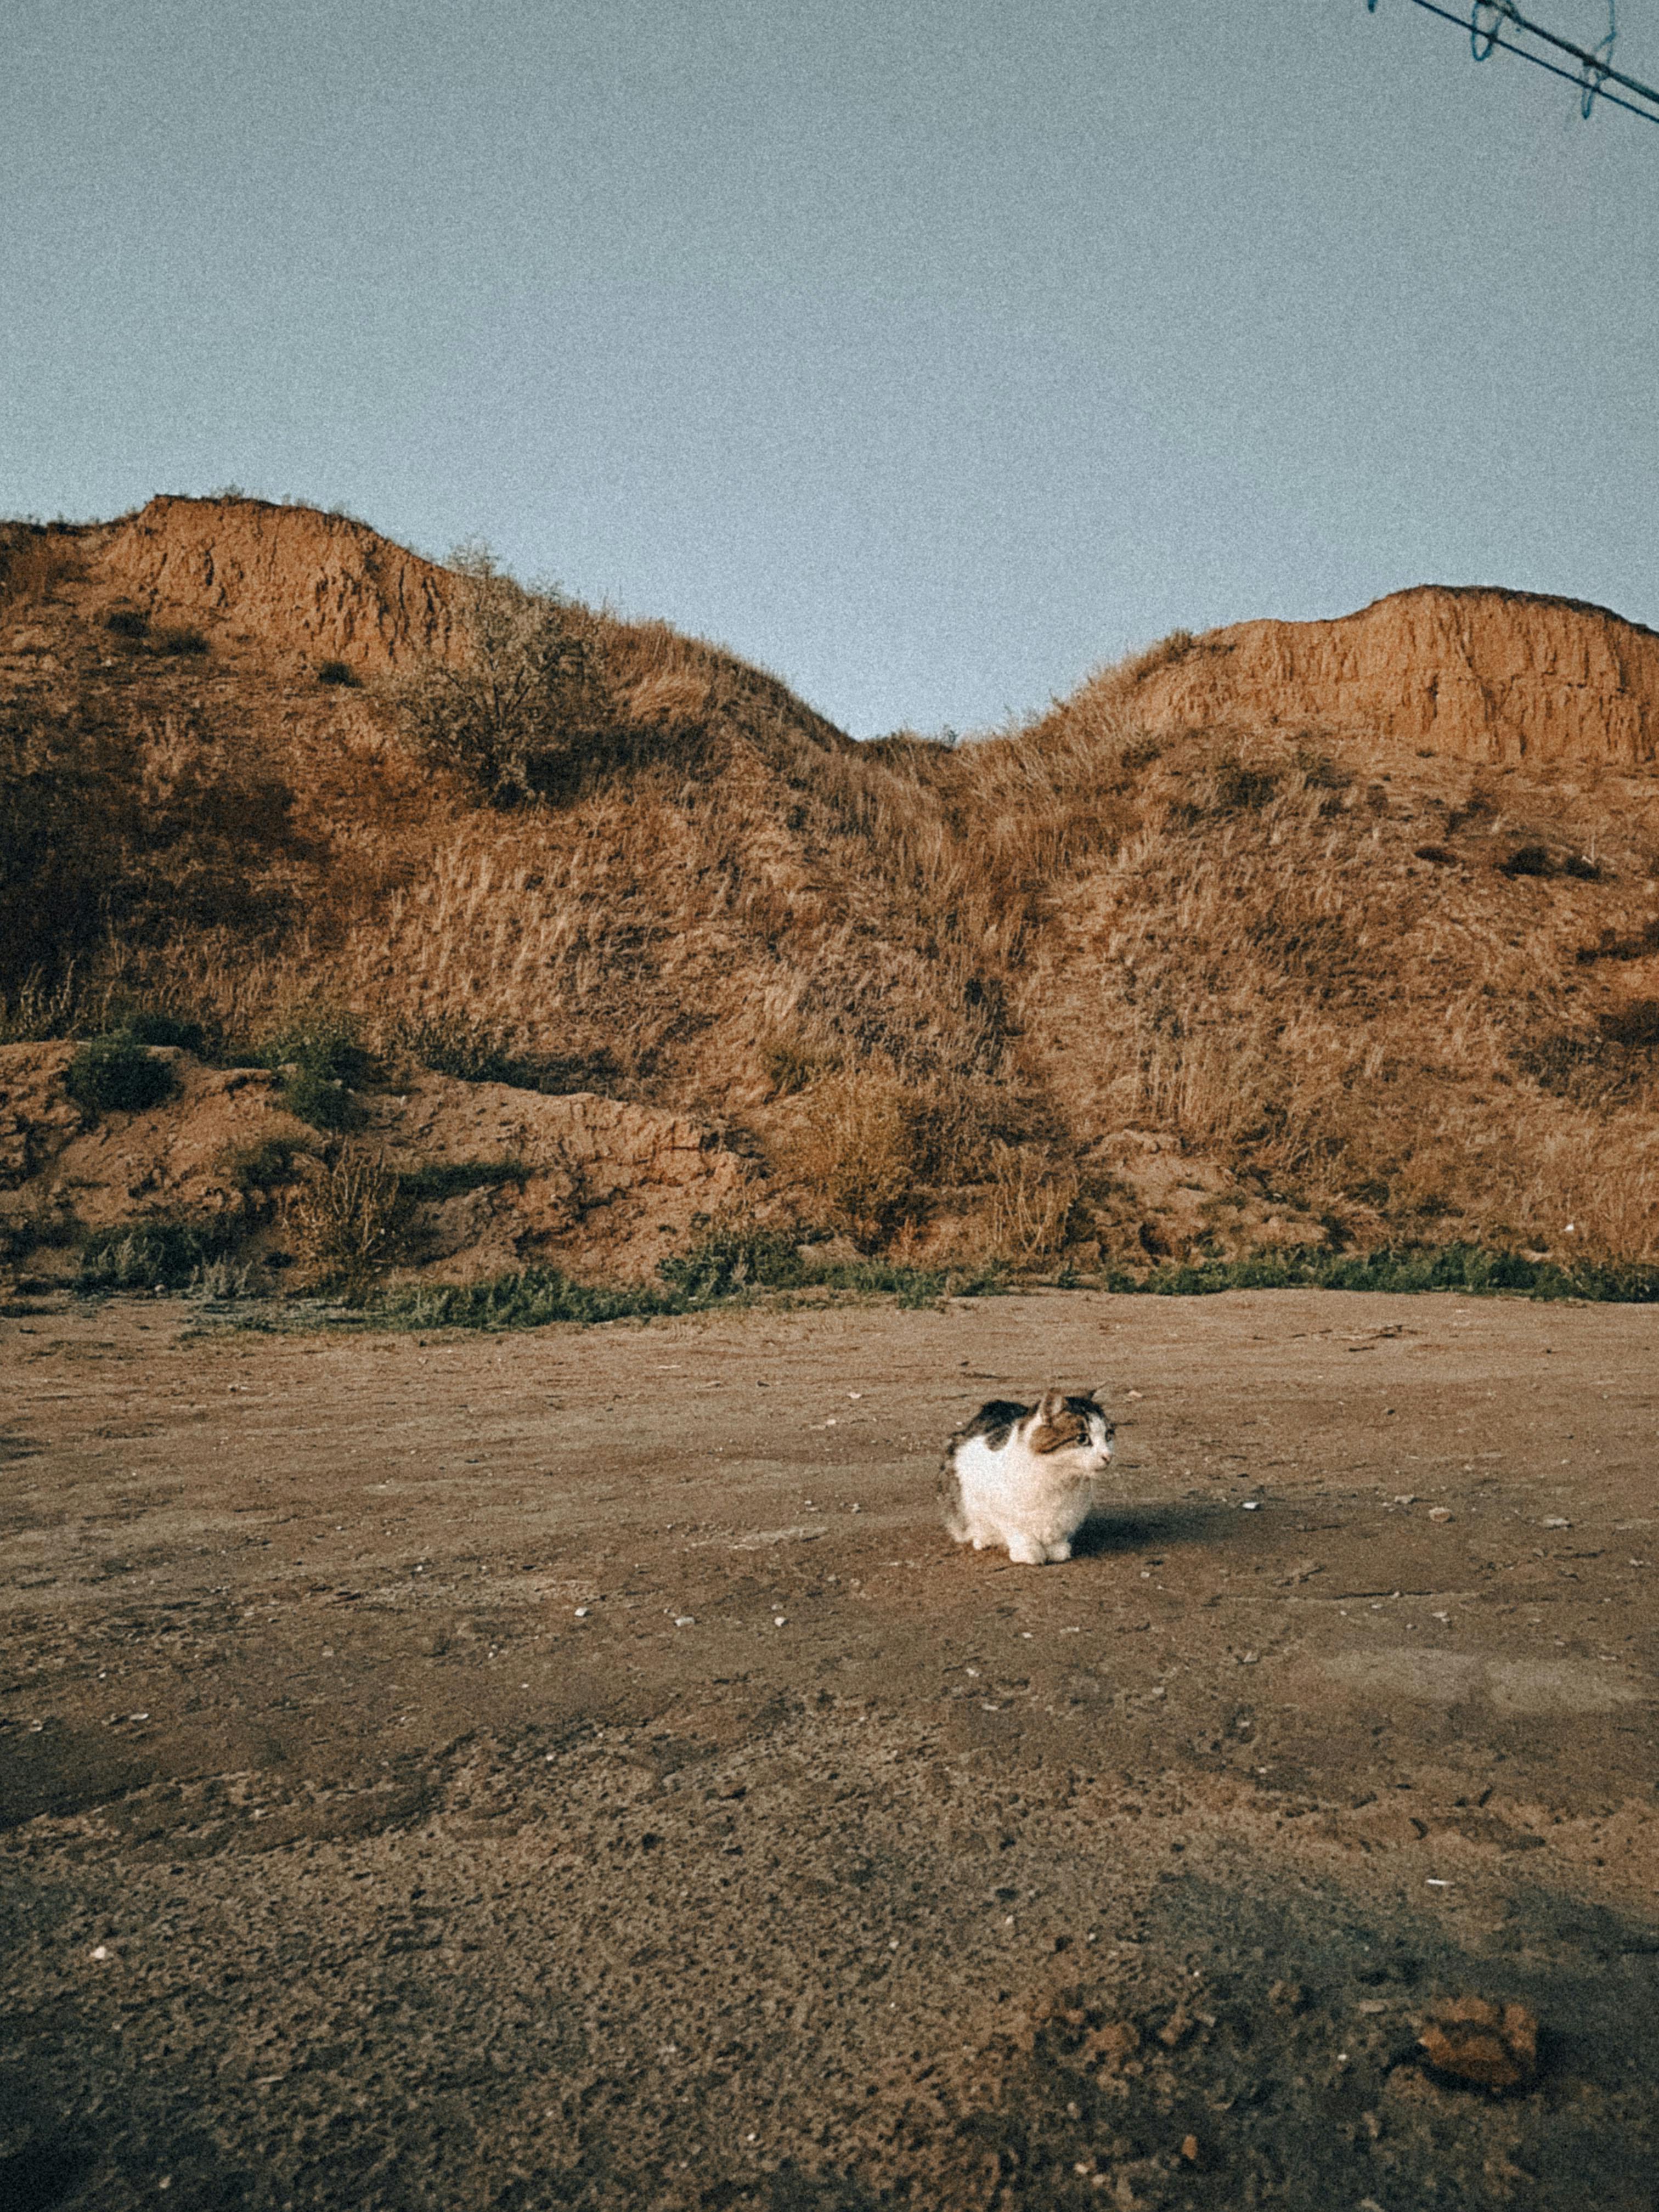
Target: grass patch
322, 1100
704, 1282
1471, 1269
117, 1074
337, 671
328, 1060
734, 1257
147, 1255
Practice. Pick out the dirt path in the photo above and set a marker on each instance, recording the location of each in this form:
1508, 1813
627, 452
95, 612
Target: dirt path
574, 1769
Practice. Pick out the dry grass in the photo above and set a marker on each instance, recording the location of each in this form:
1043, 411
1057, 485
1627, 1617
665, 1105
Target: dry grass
1030, 1205
33, 562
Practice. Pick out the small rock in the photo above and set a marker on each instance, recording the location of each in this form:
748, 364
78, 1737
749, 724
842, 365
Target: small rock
685, 1620
1440, 1513
1555, 1522
1252, 1505
582, 1613
1487, 2045
1189, 2149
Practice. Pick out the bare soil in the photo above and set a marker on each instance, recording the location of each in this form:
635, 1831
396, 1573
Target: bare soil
574, 1768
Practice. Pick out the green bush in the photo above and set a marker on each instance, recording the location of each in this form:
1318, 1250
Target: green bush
328, 1058
732, 1257
147, 1255
322, 1100
329, 1044
117, 1074
1469, 1268
528, 1300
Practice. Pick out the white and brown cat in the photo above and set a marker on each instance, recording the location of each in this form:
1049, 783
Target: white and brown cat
1022, 1477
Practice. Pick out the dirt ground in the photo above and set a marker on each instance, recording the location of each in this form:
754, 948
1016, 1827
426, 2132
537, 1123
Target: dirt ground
574, 1768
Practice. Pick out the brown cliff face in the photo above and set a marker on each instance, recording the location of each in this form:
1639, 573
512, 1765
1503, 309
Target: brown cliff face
1479, 675
286, 578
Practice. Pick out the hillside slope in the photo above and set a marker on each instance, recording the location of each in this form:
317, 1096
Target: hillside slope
1297, 933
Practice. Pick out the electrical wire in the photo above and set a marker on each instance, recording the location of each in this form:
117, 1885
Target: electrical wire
1592, 80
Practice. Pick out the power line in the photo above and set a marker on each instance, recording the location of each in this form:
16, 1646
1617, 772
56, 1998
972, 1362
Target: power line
1486, 20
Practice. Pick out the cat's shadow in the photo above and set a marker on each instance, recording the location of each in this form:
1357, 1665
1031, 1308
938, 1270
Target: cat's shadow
1148, 1527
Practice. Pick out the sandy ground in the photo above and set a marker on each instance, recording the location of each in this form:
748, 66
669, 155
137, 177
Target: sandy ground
574, 1768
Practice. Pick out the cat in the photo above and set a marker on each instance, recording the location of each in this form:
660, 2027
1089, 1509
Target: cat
1023, 1476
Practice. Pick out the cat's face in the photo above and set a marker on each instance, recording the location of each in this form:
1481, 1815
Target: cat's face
1076, 1426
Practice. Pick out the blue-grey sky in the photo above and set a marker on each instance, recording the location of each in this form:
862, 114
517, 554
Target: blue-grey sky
929, 353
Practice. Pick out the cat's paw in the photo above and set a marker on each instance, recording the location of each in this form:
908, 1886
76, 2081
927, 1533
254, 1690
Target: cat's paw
1058, 1552
1027, 1555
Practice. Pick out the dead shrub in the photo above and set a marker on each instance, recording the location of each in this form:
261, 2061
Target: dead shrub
528, 685
345, 1220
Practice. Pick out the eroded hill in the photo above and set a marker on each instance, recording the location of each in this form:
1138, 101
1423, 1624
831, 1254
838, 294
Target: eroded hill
1310, 934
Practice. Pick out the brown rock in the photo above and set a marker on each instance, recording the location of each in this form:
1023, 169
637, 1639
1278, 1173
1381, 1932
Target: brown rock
1490, 2046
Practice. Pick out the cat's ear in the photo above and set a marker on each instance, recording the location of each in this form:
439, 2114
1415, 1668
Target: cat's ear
1099, 1394
1052, 1407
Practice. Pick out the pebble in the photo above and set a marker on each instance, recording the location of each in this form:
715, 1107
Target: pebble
779, 1620
685, 1620
1251, 1505
582, 1613
1440, 1513
1555, 1522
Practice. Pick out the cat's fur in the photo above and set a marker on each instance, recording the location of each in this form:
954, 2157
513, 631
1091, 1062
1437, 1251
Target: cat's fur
1022, 1477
